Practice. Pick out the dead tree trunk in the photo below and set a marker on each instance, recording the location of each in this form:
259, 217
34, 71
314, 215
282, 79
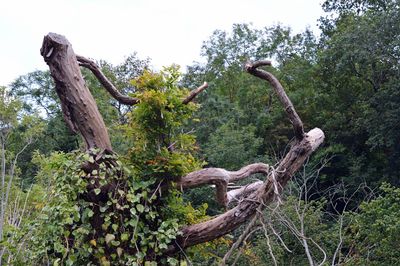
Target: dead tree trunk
82, 116
77, 103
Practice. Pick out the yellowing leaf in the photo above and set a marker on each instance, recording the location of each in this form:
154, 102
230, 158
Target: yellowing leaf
104, 261
93, 242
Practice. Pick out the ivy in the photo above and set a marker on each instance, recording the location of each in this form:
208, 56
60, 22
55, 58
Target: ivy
123, 210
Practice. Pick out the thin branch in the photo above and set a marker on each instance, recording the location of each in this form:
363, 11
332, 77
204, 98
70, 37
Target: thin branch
194, 93
14, 165
271, 252
244, 241
238, 242
252, 68
279, 237
92, 66
115, 93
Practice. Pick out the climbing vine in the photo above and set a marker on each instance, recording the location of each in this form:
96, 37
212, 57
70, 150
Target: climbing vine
113, 209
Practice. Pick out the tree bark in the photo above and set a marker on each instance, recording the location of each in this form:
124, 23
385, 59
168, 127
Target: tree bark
82, 116
232, 219
77, 103
221, 178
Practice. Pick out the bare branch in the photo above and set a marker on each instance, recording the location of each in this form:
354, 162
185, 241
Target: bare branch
294, 118
115, 93
247, 231
261, 63
246, 209
107, 84
194, 93
236, 194
220, 178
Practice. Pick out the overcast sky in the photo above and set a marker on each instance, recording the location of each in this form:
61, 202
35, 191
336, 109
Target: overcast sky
169, 31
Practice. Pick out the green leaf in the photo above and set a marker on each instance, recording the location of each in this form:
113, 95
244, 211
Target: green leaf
97, 191
140, 208
114, 227
124, 236
56, 262
115, 243
163, 246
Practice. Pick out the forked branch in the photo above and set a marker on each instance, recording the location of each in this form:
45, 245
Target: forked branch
247, 208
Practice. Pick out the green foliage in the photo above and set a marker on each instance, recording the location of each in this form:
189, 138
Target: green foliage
111, 212
373, 237
345, 82
231, 148
9, 109
24, 207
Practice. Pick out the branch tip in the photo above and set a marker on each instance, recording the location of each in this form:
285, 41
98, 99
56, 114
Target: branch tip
252, 68
194, 93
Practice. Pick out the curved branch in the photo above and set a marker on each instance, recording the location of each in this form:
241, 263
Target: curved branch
232, 219
115, 93
92, 66
220, 178
294, 118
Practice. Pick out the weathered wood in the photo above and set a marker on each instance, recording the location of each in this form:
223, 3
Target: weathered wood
232, 219
77, 103
114, 92
252, 68
81, 114
194, 93
235, 195
220, 178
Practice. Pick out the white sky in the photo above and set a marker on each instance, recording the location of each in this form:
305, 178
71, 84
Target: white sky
169, 31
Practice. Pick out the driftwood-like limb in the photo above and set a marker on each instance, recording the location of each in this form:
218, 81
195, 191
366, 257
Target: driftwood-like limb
220, 178
247, 208
294, 118
107, 84
240, 193
194, 93
77, 103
